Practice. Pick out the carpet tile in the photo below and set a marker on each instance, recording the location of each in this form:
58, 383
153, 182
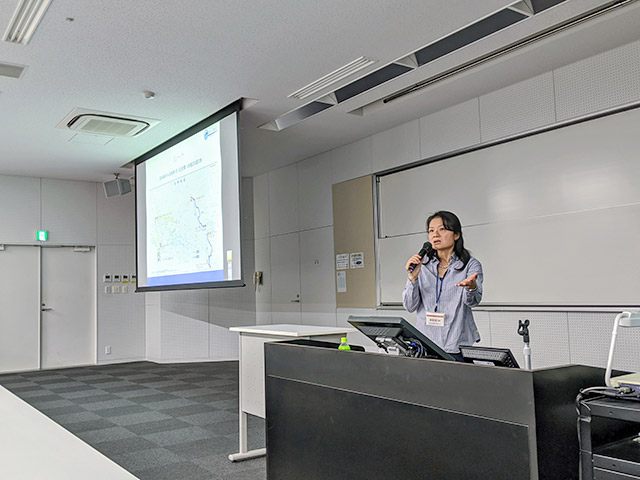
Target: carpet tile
170, 421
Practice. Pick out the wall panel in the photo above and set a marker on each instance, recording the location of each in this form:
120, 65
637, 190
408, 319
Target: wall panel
314, 185
69, 211
450, 129
518, 108
396, 146
185, 325
261, 206
19, 209
318, 296
121, 316
263, 292
285, 279
351, 161
548, 331
283, 200
116, 218
597, 83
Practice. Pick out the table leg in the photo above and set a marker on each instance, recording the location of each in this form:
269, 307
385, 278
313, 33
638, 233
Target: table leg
243, 453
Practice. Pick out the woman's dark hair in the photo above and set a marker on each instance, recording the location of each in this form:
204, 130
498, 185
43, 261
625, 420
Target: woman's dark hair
452, 223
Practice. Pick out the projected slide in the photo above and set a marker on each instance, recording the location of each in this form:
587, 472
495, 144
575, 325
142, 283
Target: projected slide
184, 212
188, 208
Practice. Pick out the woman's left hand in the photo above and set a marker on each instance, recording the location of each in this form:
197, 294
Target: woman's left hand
469, 282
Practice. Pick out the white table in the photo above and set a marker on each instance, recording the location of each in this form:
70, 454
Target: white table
251, 352
34, 446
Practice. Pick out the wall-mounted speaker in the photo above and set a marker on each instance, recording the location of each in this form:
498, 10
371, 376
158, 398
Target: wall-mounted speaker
124, 186
116, 187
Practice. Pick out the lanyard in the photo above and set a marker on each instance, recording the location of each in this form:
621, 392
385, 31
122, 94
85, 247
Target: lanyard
439, 292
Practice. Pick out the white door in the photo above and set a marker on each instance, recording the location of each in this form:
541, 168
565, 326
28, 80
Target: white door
285, 279
68, 307
19, 312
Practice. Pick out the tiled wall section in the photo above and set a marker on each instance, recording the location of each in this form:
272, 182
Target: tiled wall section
603, 81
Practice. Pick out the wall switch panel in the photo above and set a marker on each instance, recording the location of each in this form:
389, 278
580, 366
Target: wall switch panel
107, 289
115, 289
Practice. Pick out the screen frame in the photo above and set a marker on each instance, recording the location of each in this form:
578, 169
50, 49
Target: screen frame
400, 322
235, 107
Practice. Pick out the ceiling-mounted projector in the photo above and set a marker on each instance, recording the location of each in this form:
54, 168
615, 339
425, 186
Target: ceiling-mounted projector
116, 187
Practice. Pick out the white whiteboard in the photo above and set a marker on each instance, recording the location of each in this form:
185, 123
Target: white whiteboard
554, 218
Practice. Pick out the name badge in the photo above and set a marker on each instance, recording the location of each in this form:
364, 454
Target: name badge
435, 319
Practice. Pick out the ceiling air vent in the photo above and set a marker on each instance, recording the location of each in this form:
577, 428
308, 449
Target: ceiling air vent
104, 123
332, 78
482, 28
11, 71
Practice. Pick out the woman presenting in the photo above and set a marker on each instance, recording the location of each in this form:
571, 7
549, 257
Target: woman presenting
444, 285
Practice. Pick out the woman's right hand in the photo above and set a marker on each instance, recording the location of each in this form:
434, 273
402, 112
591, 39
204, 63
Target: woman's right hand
417, 259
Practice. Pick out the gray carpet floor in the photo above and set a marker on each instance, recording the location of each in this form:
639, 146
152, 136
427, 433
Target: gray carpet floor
177, 421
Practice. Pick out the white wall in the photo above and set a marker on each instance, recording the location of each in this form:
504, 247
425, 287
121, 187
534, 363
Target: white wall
77, 213
589, 86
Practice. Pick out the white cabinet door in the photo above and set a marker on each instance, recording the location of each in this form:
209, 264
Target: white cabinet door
68, 307
19, 312
285, 279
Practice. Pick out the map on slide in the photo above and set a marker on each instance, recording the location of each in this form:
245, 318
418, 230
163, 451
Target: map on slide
184, 231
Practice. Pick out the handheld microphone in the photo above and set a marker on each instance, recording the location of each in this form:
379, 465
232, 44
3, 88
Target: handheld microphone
426, 249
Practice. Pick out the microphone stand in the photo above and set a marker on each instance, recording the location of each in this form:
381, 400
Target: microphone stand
523, 329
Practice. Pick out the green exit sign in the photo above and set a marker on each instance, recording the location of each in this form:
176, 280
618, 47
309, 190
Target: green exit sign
42, 235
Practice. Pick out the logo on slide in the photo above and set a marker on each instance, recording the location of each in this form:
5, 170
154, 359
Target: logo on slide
210, 131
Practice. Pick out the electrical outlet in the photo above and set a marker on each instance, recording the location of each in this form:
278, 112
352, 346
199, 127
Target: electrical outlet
107, 350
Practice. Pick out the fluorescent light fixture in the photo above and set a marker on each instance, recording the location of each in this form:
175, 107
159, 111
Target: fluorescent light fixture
25, 20
624, 319
331, 78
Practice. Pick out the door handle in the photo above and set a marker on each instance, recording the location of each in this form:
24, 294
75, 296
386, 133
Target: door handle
295, 301
45, 309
